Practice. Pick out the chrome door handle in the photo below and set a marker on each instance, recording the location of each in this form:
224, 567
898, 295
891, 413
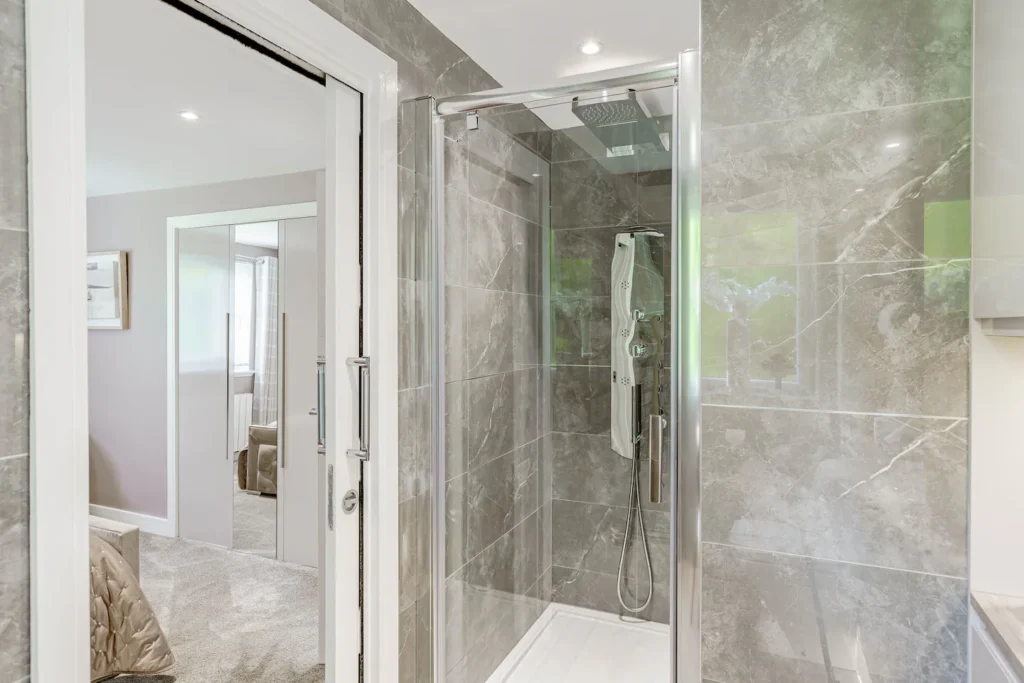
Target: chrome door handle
321, 410
363, 364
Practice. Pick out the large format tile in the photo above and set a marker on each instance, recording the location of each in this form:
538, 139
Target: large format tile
582, 327
581, 399
586, 469
778, 619
14, 569
587, 536
584, 194
488, 502
780, 59
887, 491
830, 188
884, 337
494, 582
503, 172
415, 442
13, 146
413, 333
479, 332
480, 421
14, 343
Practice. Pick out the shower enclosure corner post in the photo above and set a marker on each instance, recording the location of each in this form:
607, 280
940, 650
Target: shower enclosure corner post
433, 125
685, 613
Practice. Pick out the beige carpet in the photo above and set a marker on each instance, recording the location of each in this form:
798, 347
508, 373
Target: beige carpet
231, 617
255, 523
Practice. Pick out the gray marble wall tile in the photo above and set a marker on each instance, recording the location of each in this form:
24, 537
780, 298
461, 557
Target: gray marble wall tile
424, 661
413, 334
586, 195
14, 343
582, 329
581, 264
528, 334
490, 248
13, 147
480, 422
887, 491
501, 171
415, 444
587, 536
407, 645
885, 337
587, 470
413, 549
585, 589
493, 582
478, 327
15, 638
831, 188
779, 59
770, 617
488, 502
581, 399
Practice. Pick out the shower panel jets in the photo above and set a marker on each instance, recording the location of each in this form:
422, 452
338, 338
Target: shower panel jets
638, 327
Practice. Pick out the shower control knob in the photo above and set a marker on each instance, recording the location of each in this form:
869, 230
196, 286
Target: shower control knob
638, 351
638, 315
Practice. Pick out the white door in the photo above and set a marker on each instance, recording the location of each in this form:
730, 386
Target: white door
298, 465
344, 633
204, 298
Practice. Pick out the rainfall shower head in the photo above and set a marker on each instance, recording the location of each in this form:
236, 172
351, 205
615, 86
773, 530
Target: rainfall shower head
619, 121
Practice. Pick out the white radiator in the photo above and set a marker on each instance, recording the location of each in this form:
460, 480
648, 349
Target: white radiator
243, 418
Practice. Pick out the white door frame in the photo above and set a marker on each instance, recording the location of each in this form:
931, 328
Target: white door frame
59, 489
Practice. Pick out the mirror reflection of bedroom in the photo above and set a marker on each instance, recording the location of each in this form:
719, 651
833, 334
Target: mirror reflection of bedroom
205, 274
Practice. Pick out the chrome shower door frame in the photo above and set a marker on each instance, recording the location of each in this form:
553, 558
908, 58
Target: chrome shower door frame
685, 425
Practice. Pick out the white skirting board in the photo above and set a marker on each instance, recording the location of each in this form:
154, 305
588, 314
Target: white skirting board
146, 523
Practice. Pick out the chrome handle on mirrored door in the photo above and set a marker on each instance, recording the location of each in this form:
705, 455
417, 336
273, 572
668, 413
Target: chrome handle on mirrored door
363, 364
321, 411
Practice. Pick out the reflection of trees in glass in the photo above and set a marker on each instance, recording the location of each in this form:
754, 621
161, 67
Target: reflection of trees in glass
749, 324
572, 304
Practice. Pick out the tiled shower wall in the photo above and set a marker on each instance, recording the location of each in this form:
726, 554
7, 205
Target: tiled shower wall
590, 204
14, 463
836, 237
498, 532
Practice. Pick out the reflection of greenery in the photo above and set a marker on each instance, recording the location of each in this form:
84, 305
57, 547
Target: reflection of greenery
750, 237
947, 229
767, 295
949, 287
574, 276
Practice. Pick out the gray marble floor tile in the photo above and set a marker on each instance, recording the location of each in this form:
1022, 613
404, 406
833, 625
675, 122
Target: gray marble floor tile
779, 59
479, 326
886, 337
488, 502
877, 490
775, 618
883, 185
15, 640
14, 343
480, 422
581, 399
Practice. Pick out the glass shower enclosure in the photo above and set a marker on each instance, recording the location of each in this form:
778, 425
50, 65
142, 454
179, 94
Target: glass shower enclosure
552, 253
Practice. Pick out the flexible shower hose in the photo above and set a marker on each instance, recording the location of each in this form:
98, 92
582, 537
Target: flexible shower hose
634, 494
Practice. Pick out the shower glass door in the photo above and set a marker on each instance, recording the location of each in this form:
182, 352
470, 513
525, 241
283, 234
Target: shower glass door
559, 260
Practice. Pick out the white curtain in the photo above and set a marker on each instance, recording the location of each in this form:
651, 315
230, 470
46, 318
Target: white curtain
264, 400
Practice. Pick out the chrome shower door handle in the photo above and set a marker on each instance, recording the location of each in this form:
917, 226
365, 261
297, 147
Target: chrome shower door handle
363, 365
320, 411
656, 444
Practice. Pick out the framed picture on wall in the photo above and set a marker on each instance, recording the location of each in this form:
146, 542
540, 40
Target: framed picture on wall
107, 282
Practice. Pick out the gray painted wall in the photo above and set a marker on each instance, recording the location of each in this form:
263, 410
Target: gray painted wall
14, 424
128, 368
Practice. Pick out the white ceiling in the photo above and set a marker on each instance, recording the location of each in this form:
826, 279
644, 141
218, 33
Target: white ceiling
146, 62
257, 234
529, 43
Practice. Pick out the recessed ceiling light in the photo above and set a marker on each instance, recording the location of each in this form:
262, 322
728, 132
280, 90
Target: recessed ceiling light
591, 47
859, 189
536, 175
892, 145
189, 115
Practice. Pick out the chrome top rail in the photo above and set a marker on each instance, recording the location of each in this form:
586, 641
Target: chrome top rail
577, 85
